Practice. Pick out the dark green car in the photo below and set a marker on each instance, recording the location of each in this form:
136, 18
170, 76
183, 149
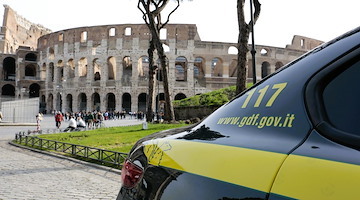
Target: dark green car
294, 135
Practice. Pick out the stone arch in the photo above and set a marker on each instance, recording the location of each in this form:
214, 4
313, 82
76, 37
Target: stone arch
82, 101
111, 102
199, 66
51, 54
96, 70
126, 102
216, 67
181, 68
232, 50
43, 71
9, 68
127, 70
30, 71
69, 103
60, 70
50, 102
265, 52
142, 100
143, 67
59, 102
111, 63
51, 72
42, 104
233, 68
96, 101
71, 68
82, 67
8, 90
265, 69
180, 96
31, 57
112, 31
34, 90
278, 65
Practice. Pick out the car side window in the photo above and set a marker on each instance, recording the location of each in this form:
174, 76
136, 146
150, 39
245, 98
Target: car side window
341, 99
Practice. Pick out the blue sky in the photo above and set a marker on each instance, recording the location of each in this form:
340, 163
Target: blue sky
279, 19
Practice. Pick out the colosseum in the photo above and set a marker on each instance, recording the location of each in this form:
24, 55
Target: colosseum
106, 67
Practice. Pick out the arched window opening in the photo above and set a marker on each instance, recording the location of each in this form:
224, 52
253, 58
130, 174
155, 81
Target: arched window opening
60, 68
51, 55
216, 68
61, 37
199, 67
112, 32
181, 69
143, 68
233, 50
71, 68
9, 69
51, 72
50, 102
111, 68
126, 102
34, 90
264, 52
31, 57
69, 103
59, 102
142, 99
82, 67
180, 96
96, 101
233, 68
8, 90
82, 101
97, 70
278, 65
30, 71
83, 36
127, 31
265, 69
111, 102
127, 71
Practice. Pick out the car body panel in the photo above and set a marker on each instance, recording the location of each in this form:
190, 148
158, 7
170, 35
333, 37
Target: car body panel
261, 145
319, 169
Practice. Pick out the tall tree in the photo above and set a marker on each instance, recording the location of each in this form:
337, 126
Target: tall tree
243, 39
151, 10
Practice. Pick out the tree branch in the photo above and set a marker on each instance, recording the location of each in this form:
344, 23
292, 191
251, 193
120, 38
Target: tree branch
168, 18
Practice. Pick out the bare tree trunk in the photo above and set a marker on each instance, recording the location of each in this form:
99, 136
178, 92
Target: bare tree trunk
150, 100
244, 32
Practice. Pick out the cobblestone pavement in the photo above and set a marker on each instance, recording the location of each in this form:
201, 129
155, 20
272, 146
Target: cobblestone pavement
25, 174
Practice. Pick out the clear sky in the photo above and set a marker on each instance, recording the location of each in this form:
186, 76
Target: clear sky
216, 20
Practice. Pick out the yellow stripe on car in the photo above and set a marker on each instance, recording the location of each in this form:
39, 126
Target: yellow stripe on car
303, 177
250, 168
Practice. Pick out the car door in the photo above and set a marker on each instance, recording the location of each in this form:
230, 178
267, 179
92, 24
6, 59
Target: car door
327, 164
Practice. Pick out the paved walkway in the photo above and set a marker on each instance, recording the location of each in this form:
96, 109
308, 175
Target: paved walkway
25, 174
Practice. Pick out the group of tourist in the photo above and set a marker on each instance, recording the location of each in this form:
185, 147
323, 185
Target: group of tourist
92, 119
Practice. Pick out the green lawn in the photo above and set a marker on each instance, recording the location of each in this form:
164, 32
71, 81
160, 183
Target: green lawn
119, 139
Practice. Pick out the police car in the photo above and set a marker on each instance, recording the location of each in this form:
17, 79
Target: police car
294, 135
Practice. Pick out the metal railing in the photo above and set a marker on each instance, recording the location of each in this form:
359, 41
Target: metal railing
105, 157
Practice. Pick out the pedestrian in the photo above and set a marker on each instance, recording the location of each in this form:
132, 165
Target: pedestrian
58, 119
39, 118
1, 116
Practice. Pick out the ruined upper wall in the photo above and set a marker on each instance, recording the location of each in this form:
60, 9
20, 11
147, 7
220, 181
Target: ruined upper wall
126, 32
303, 43
18, 31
